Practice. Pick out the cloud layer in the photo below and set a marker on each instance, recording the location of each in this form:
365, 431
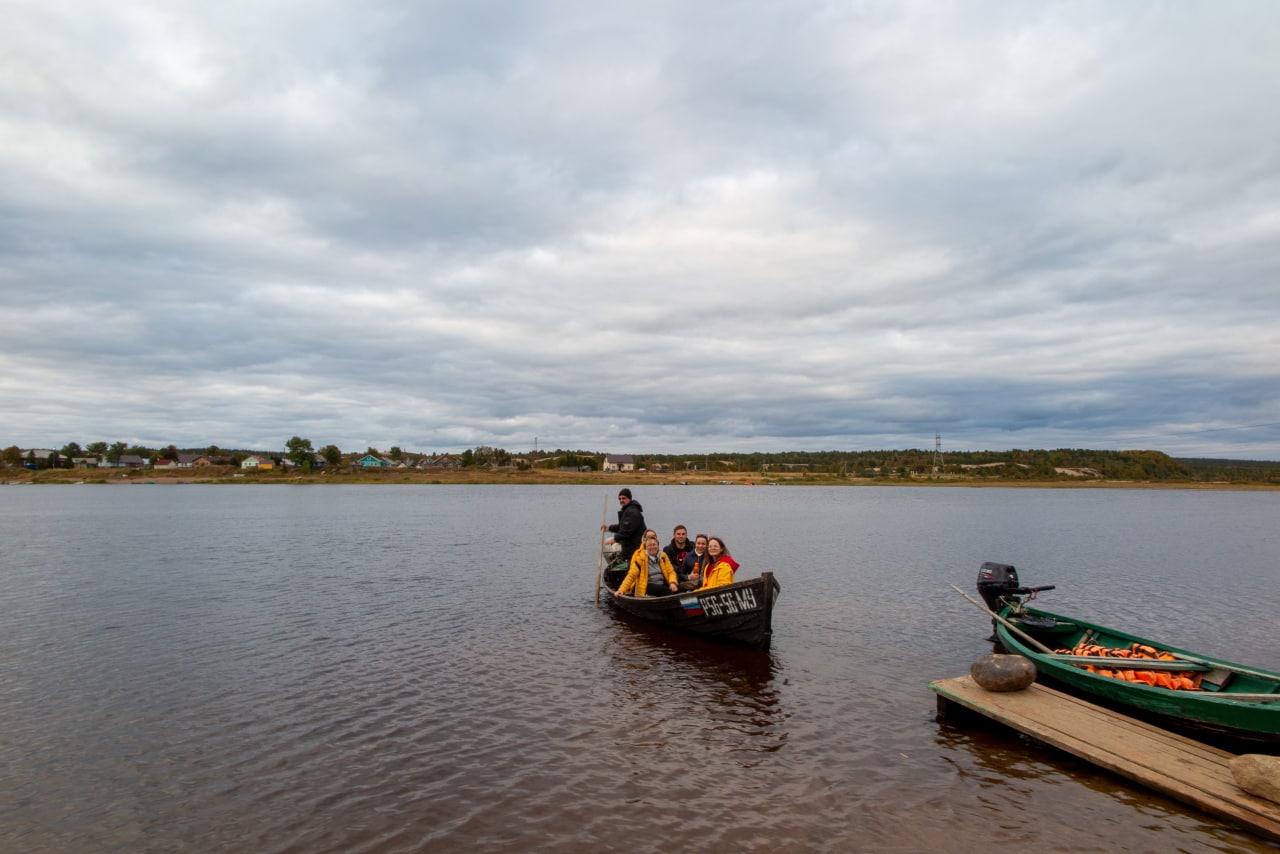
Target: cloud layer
642, 227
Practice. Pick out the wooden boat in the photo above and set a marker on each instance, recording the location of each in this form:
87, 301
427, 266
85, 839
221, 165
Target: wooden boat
740, 613
1214, 697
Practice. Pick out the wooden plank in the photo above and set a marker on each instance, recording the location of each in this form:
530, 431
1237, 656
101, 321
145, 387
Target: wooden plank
1180, 767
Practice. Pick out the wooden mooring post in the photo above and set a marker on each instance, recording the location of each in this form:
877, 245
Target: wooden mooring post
1180, 767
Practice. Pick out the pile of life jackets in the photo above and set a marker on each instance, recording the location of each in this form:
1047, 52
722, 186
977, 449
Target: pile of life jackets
1171, 679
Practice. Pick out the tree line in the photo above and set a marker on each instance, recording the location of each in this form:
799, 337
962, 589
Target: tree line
298, 451
1017, 464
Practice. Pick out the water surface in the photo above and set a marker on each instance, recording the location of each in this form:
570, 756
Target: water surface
405, 668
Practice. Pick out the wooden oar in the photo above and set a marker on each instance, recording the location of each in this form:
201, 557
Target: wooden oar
1008, 625
1183, 663
1180, 665
1129, 663
1230, 668
604, 517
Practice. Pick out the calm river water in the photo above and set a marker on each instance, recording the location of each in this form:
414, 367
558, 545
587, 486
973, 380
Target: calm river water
422, 668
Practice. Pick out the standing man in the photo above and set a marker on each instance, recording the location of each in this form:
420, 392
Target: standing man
630, 527
678, 549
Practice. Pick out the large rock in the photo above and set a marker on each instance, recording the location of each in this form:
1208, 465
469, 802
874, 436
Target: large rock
1003, 672
1258, 775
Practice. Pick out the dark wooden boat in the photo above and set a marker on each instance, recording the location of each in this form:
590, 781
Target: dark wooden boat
740, 613
1216, 697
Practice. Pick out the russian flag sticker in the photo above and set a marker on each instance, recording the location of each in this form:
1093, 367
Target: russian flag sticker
692, 607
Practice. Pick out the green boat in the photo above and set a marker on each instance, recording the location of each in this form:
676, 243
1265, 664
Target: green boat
1210, 696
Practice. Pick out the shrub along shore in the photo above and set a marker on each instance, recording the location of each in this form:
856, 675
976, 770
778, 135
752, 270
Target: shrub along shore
232, 475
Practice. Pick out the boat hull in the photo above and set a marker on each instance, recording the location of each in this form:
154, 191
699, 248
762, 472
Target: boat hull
1220, 712
740, 613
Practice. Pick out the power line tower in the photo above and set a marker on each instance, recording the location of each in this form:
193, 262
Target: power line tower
937, 453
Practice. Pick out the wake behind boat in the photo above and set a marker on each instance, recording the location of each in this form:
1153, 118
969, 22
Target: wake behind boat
741, 612
1182, 689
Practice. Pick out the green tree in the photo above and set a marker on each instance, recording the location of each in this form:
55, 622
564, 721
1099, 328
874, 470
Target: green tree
12, 456
299, 452
332, 454
97, 449
468, 458
395, 453
486, 454
116, 451
69, 451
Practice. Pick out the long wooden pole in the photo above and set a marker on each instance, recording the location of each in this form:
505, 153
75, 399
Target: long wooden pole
604, 517
1008, 625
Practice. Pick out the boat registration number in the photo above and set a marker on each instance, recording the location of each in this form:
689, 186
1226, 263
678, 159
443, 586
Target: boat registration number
729, 602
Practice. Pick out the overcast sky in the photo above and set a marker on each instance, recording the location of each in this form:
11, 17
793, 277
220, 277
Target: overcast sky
641, 227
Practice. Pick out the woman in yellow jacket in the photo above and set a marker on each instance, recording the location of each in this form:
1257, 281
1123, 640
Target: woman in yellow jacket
722, 565
650, 572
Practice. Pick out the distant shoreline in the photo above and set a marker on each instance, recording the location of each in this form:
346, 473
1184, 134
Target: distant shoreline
512, 477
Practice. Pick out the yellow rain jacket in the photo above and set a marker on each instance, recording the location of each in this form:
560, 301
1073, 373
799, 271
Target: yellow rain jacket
720, 573
637, 581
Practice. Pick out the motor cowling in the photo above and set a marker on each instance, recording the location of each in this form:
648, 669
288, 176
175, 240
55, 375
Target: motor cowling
996, 581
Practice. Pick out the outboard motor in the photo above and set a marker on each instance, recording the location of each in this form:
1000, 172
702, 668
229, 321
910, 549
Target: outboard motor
613, 558
996, 580
998, 586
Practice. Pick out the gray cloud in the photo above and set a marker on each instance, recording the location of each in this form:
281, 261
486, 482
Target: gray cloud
643, 227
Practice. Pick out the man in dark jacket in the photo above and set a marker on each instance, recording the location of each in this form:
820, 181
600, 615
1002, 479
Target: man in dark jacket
679, 548
630, 527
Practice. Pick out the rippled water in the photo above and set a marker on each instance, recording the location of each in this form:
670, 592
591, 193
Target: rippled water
405, 668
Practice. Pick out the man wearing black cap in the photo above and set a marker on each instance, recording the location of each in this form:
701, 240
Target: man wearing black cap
630, 528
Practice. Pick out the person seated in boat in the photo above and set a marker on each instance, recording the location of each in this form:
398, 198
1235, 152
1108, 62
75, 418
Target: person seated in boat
676, 550
630, 527
723, 566
696, 563
651, 573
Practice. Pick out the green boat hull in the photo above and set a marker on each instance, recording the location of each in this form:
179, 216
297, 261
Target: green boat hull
1224, 711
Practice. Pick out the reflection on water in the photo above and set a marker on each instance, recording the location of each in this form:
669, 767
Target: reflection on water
1021, 785
703, 691
423, 668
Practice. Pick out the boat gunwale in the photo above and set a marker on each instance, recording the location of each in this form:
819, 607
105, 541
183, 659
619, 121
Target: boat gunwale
1223, 712
746, 582
1050, 658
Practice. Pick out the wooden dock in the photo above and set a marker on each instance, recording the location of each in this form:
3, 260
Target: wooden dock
1180, 767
